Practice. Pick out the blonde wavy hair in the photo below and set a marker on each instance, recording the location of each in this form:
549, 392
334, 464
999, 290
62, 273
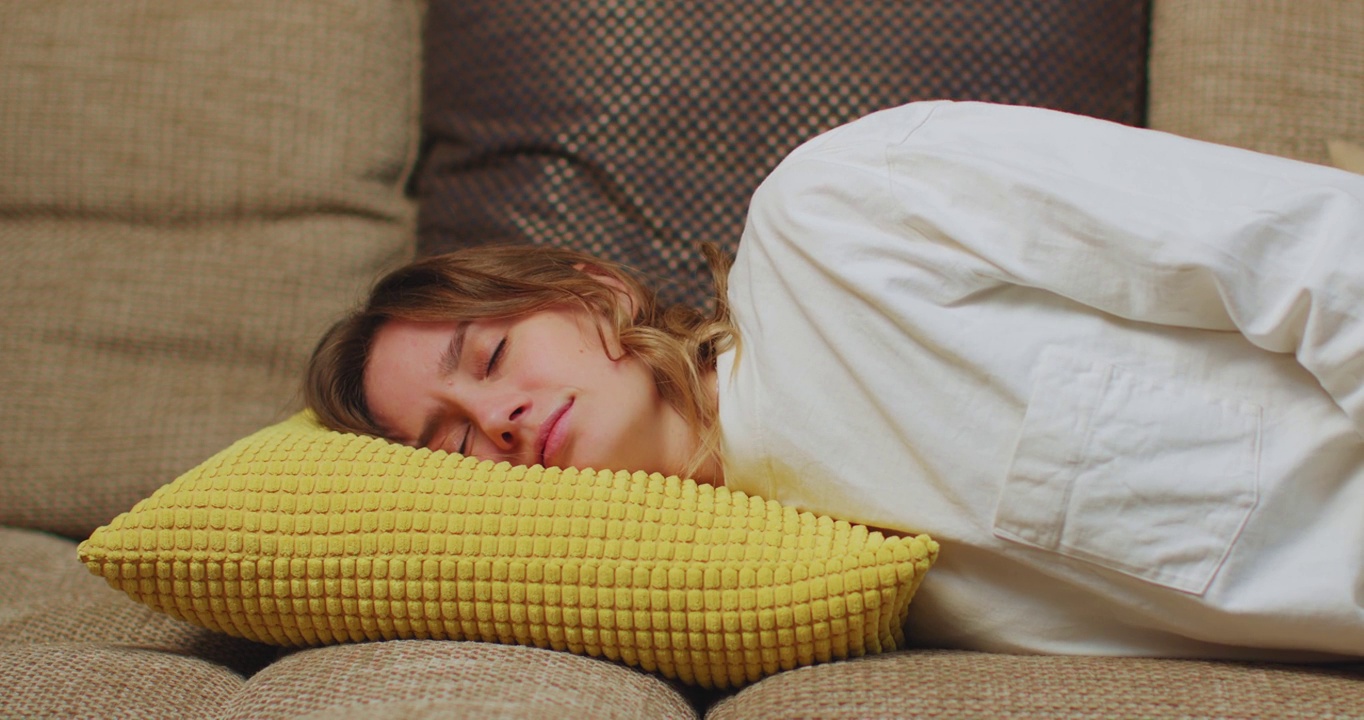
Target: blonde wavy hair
677, 342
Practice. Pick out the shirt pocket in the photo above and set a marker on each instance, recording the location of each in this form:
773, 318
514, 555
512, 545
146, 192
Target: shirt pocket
1147, 475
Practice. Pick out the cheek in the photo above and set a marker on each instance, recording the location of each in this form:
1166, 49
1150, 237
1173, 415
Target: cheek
632, 380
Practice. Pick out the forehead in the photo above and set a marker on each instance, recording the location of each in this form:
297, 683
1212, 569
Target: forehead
404, 344
403, 358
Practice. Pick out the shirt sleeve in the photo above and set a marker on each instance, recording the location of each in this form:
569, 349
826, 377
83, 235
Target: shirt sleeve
1149, 227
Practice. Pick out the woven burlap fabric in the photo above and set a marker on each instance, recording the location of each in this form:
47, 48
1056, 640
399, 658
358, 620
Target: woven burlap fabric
47, 597
414, 679
159, 110
75, 681
192, 192
956, 685
1277, 76
36, 568
635, 130
129, 353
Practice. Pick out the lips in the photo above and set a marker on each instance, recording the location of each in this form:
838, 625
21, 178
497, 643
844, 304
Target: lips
552, 435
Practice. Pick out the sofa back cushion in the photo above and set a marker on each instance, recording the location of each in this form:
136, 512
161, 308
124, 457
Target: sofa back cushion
193, 189
637, 129
1278, 76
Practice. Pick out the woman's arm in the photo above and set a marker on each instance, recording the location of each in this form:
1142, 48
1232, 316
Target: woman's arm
1149, 227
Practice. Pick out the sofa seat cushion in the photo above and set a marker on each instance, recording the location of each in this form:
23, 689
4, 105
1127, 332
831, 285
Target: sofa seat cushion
48, 597
433, 679
51, 681
954, 684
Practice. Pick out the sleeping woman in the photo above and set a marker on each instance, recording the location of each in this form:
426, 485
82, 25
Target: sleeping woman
1117, 374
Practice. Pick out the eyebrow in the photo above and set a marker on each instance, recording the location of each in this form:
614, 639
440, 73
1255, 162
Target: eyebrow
449, 362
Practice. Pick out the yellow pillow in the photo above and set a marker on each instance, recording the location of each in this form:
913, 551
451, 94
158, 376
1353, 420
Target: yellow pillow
298, 535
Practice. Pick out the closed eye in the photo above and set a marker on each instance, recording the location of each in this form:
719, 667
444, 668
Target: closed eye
495, 357
488, 369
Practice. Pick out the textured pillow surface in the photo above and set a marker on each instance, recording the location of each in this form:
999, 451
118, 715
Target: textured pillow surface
297, 535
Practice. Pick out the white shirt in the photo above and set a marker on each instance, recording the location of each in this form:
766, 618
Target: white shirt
1117, 374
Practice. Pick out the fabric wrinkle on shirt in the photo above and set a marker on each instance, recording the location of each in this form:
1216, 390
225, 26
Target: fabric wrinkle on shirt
1118, 374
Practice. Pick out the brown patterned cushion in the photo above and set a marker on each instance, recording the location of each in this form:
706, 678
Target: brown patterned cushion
636, 129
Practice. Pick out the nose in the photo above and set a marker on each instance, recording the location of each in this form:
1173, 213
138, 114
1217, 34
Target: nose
502, 421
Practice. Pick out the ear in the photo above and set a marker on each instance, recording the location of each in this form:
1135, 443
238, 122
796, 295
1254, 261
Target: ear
623, 291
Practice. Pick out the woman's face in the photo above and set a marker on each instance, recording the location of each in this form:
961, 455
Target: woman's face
536, 389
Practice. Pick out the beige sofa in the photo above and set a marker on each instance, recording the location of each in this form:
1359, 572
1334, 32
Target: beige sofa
191, 189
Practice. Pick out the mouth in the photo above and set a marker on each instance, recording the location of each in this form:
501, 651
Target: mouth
553, 432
